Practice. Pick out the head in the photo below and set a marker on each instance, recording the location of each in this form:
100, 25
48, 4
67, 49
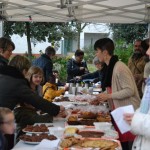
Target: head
6, 47
79, 55
50, 51
99, 65
56, 73
52, 79
104, 49
148, 50
137, 45
21, 63
7, 125
35, 75
144, 47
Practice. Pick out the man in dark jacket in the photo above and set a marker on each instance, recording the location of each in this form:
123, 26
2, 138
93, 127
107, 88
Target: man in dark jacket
45, 62
76, 66
6, 48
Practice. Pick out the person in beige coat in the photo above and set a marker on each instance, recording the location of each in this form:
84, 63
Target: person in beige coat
119, 79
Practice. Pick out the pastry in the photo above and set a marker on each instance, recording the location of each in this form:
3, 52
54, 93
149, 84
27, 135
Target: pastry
71, 130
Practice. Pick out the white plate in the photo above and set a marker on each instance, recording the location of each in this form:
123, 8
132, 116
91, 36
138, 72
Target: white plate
32, 143
34, 132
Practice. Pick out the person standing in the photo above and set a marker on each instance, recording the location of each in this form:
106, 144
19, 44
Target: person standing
45, 62
140, 120
76, 66
6, 48
119, 79
136, 64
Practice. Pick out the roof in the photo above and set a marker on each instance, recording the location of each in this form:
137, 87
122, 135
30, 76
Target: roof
103, 11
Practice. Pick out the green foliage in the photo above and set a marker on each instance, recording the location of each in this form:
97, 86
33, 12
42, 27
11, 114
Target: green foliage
123, 50
60, 64
89, 53
128, 32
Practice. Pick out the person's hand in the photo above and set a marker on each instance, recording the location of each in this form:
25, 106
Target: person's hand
82, 68
128, 117
66, 87
103, 97
78, 77
62, 108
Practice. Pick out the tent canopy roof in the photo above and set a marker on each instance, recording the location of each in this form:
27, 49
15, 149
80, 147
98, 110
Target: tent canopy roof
103, 11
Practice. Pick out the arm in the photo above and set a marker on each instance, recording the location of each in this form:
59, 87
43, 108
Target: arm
25, 95
140, 124
54, 93
87, 76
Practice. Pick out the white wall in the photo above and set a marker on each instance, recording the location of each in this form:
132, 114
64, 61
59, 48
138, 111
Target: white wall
21, 43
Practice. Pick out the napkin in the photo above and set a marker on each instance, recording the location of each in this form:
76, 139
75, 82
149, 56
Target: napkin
47, 145
119, 118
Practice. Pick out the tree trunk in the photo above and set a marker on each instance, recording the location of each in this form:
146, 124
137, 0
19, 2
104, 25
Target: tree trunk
78, 40
28, 41
79, 30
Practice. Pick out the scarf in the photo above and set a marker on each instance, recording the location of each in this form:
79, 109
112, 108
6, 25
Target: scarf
108, 71
145, 103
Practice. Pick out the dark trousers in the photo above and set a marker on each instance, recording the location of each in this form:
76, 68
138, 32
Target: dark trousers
126, 145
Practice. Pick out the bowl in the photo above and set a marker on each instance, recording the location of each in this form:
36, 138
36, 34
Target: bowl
102, 126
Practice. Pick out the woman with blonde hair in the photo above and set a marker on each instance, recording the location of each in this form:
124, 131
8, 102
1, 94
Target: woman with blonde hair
35, 77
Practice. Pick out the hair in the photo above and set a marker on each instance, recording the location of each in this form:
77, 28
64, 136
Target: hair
137, 40
145, 45
50, 51
55, 71
20, 62
4, 111
34, 70
105, 44
97, 61
52, 79
79, 52
5, 43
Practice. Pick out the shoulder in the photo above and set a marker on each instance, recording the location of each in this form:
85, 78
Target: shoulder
120, 65
121, 69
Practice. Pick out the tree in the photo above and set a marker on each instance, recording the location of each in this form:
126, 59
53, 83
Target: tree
79, 28
40, 31
128, 32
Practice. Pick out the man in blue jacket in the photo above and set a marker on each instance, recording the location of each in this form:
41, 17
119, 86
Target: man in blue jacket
45, 62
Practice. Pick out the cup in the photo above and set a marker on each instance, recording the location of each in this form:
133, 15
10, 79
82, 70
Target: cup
91, 90
74, 89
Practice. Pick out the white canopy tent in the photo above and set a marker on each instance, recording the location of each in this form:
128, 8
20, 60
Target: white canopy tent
103, 11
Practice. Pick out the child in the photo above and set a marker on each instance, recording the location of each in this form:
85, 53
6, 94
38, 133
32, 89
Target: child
26, 114
35, 77
7, 125
56, 74
50, 89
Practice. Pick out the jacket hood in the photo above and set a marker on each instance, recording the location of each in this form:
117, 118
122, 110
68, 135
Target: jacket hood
11, 71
